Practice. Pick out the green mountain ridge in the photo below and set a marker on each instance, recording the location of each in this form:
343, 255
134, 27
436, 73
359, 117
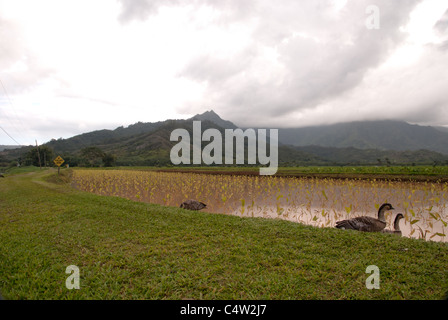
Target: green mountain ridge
382, 135
356, 143
8, 147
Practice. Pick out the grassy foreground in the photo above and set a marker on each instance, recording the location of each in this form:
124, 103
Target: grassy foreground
133, 250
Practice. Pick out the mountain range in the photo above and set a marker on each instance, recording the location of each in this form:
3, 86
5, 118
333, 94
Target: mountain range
382, 135
355, 143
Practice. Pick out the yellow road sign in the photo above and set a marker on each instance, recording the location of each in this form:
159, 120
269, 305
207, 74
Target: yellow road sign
58, 161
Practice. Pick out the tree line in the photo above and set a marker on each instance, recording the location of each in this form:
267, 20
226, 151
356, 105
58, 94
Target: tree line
87, 157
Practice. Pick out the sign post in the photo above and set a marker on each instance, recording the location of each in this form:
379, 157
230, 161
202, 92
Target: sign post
58, 161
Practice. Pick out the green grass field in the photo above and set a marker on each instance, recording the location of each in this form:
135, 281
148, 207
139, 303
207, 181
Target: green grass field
134, 250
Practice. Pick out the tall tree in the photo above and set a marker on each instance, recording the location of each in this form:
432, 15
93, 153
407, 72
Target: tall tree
45, 153
108, 160
92, 156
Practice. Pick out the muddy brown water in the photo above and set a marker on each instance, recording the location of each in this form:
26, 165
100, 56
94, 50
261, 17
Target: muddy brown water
314, 201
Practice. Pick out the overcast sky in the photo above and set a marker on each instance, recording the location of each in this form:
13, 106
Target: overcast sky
68, 67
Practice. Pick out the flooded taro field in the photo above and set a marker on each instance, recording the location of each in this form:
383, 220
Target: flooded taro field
314, 201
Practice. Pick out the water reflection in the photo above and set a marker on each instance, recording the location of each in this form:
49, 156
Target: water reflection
318, 202
423, 205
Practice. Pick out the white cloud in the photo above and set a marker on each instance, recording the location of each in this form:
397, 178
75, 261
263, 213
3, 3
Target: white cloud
76, 66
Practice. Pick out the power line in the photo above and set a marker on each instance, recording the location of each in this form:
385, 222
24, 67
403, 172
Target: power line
10, 136
12, 106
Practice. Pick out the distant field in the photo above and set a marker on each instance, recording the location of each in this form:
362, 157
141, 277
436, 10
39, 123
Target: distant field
134, 250
408, 170
415, 173
432, 171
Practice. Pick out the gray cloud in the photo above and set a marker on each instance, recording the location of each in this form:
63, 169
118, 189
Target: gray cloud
255, 62
9, 43
29, 70
441, 29
141, 9
442, 24
322, 54
230, 10
33, 74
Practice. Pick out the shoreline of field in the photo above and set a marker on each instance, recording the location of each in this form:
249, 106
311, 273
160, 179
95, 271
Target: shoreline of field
354, 176
433, 174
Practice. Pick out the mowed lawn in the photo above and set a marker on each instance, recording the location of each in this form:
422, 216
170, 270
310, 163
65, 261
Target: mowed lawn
134, 250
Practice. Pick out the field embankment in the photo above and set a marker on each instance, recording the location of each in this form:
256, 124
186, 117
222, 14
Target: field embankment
134, 250
392, 173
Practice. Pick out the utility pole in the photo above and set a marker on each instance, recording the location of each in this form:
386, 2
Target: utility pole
38, 155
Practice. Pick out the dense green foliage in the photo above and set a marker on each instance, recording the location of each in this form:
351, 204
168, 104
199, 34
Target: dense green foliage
38, 156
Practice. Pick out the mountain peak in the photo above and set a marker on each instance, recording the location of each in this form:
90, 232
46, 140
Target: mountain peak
215, 118
211, 112
208, 115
